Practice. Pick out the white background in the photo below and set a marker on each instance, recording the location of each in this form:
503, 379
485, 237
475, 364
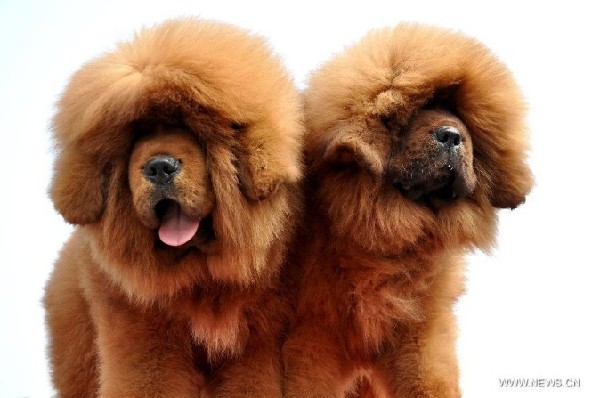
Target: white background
531, 307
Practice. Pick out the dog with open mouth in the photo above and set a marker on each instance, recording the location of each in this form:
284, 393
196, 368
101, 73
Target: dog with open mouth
415, 136
178, 160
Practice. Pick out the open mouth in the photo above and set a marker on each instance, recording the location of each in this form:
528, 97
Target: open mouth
178, 228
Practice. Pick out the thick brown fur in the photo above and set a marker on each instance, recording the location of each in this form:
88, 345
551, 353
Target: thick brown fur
379, 265
127, 315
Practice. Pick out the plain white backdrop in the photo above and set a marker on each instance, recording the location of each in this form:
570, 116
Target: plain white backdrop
531, 308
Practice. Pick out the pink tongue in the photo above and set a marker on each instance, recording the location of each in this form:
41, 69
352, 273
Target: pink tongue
176, 228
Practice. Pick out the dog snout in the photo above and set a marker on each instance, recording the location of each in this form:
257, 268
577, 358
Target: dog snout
161, 169
448, 137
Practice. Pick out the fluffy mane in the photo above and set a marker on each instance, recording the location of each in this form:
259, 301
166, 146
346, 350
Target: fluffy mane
393, 72
227, 88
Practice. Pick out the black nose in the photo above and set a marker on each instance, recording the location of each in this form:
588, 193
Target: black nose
161, 169
447, 136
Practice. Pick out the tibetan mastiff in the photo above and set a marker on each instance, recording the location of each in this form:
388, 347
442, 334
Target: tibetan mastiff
415, 136
178, 159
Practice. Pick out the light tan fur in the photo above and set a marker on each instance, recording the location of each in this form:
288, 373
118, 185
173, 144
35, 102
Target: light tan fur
127, 316
376, 272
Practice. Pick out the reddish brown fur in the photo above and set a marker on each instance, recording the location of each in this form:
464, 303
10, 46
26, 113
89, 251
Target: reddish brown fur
127, 317
377, 273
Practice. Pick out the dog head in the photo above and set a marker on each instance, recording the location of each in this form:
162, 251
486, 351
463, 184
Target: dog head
415, 136
179, 155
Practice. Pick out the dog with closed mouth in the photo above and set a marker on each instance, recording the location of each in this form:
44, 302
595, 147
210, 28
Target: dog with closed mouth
415, 137
178, 160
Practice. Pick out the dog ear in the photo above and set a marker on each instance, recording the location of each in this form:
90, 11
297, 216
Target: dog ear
265, 162
77, 189
351, 150
510, 184
257, 183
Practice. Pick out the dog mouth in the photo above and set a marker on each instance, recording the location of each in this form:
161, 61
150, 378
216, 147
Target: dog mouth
178, 229
444, 187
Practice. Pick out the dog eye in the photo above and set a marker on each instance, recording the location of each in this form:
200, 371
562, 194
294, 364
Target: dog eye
392, 125
239, 127
387, 121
